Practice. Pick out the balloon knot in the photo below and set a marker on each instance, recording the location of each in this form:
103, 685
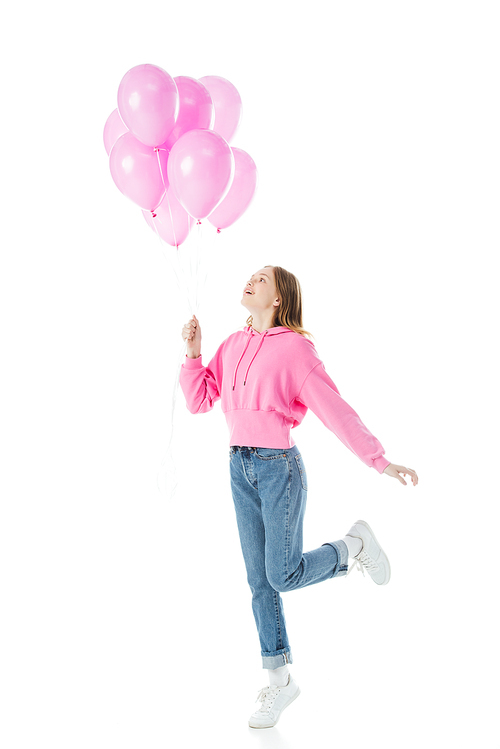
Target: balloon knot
218, 231
198, 222
153, 214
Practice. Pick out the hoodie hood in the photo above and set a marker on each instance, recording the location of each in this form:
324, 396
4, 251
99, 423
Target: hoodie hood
250, 333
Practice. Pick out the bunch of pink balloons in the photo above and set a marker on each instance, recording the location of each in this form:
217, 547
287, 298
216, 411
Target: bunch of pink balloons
169, 152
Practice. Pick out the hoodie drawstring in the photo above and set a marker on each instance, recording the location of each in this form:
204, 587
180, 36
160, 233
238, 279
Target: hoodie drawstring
241, 357
253, 357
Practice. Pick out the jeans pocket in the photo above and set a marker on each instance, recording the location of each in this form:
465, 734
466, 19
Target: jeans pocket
269, 453
302, 471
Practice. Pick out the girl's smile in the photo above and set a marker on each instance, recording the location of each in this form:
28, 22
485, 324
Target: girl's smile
261, 286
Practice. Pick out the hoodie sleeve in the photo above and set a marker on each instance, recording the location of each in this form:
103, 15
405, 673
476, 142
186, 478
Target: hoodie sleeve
200, 384
320, 394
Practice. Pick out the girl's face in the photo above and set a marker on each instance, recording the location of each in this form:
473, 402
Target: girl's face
260, 292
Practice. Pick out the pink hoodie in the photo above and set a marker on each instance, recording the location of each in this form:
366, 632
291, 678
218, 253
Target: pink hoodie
267, 381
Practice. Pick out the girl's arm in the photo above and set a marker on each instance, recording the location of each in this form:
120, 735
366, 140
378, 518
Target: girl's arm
320, 394
199, 385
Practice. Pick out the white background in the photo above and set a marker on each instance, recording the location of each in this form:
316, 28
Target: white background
126, 616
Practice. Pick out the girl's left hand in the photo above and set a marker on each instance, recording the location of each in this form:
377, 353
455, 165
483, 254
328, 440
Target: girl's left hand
394, 470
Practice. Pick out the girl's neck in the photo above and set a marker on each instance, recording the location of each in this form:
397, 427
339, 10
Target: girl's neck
260, 324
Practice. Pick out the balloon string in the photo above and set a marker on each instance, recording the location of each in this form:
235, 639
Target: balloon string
171, 220
169, 457
194, 247
188, 290
201, 271
198, 256
184, 288
188, 282
192, 273
157, 149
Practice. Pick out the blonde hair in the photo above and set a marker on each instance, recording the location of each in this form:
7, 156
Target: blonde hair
289, 312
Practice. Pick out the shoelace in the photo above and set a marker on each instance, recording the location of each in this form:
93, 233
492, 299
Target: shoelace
267, 695
362, 562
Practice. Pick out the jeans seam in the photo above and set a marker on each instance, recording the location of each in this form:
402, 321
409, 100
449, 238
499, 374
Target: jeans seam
245, 472
300, 466
287, 519
278, 622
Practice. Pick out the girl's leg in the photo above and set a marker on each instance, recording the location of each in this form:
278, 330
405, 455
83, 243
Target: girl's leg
282, 486
266, 601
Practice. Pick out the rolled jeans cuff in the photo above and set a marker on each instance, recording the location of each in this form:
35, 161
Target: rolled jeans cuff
277, 659
343, 557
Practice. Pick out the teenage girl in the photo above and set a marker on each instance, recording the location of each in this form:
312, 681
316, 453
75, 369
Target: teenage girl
267, 376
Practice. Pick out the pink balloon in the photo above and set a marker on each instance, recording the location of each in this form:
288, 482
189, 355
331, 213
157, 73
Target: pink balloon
137, 173
172, 222
196, 109
148, 103
240, 193
113, 128
227, 103
200, 170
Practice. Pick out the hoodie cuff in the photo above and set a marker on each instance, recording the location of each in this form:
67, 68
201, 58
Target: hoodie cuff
192, 363
380, 463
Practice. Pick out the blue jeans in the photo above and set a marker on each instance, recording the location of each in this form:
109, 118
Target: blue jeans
269, 490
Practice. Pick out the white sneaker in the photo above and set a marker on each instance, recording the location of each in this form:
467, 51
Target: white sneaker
372, 557
274, 700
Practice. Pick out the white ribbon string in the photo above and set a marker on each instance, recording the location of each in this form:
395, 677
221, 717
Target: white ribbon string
169, 458
191, 253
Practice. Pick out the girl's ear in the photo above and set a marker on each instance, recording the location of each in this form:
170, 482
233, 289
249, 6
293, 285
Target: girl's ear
276, 303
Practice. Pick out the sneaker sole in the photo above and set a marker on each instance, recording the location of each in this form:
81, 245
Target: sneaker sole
281, 712
382, 552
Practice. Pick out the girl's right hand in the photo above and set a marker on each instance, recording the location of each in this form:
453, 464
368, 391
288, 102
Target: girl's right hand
191, 333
